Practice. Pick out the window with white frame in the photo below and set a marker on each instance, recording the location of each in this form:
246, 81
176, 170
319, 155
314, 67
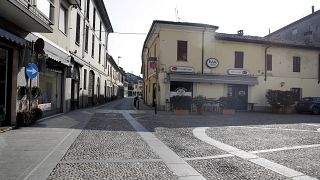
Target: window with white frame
63, 19
46, 7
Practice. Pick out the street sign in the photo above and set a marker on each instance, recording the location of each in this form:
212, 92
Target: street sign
32, 71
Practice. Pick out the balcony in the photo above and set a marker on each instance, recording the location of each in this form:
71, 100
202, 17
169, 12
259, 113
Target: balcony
26, 16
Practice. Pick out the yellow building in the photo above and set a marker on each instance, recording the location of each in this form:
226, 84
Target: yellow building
193, 59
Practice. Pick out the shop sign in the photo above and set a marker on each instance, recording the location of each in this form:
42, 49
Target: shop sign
185, 69
181, 91
212, 62
44, 107
237, 72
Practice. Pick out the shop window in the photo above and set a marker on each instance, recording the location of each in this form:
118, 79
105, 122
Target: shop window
238, 61
85, 79
182, 50
87, 39
269, 62
63, 19
78, 29
297, 93
296, 63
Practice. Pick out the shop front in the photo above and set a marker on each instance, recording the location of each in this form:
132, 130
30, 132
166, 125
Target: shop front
51, 85
5, 81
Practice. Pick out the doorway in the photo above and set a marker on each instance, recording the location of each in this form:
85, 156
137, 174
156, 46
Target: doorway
91, 88
240, 93
5, 84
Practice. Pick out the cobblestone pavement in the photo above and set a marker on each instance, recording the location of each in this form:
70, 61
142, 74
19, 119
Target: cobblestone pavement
109, 148
291, 142
116, 142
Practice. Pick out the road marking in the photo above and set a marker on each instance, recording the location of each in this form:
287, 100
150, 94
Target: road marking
283, 170
316, 125
176, 164
266, 128
255, 152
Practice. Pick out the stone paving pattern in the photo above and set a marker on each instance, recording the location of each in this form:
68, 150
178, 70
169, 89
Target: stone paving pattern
108, 136
106, 139
259, 139
233, 168
112, 171
303, 160
180, 140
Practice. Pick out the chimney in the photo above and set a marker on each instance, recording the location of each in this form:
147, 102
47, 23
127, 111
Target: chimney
312, 8
240, 32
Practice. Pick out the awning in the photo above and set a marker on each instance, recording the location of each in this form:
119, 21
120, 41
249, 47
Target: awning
11, 37
217, 79
53, 52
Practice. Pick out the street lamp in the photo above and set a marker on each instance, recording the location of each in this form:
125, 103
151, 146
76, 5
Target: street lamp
118, 59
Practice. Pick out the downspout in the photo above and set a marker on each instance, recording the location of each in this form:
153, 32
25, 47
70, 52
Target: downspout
202, 50
265, 62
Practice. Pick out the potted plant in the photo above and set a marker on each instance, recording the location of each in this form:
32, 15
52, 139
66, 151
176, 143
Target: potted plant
227, 104
199, 101
281, 101
181, 104
35, 92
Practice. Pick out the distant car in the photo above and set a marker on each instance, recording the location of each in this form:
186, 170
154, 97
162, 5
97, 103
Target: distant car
308, 104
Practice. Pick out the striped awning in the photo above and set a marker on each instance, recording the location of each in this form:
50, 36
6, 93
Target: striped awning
216, 79
12, 38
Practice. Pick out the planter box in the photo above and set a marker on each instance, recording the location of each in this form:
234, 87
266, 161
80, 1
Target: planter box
181, 112
228, 111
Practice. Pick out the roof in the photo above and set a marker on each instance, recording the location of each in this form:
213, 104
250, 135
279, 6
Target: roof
262, 40
296, 22
177, 24
104, 15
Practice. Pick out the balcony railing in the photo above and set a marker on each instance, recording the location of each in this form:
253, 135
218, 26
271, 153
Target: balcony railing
35, 11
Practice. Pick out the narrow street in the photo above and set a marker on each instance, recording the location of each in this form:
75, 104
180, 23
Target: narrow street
114, 141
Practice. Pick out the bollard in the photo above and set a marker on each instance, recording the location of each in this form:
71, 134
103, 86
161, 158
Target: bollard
138, 104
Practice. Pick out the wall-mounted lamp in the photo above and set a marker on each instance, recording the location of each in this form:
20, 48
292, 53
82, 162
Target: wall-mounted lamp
282, 84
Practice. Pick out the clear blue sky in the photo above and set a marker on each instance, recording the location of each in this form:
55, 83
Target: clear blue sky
255, 17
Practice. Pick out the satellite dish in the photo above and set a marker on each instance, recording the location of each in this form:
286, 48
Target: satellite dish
38, 46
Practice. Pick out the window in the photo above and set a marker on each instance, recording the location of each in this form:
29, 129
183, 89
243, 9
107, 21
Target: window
94, 18
269, 62
296, 64
238, 61
87, 38
85, 79
297, 93
88, 9
63, 19
182, 50
47, 8
78, 30
92, 48
99, 53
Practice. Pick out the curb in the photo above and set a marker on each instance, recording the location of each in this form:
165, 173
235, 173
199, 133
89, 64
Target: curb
7, 129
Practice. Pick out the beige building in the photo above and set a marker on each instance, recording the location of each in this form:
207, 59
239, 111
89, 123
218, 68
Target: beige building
74, 66
193, 59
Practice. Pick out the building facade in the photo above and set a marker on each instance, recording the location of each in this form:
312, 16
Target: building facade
135, 85
193, 59
68, 41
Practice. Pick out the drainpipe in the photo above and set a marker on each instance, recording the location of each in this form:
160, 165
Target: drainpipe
265, 62
202, 50
319, 70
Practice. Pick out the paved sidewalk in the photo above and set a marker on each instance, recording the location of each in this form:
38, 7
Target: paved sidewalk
32, 152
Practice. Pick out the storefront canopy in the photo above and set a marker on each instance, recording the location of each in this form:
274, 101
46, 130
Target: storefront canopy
217, 79
11, 37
